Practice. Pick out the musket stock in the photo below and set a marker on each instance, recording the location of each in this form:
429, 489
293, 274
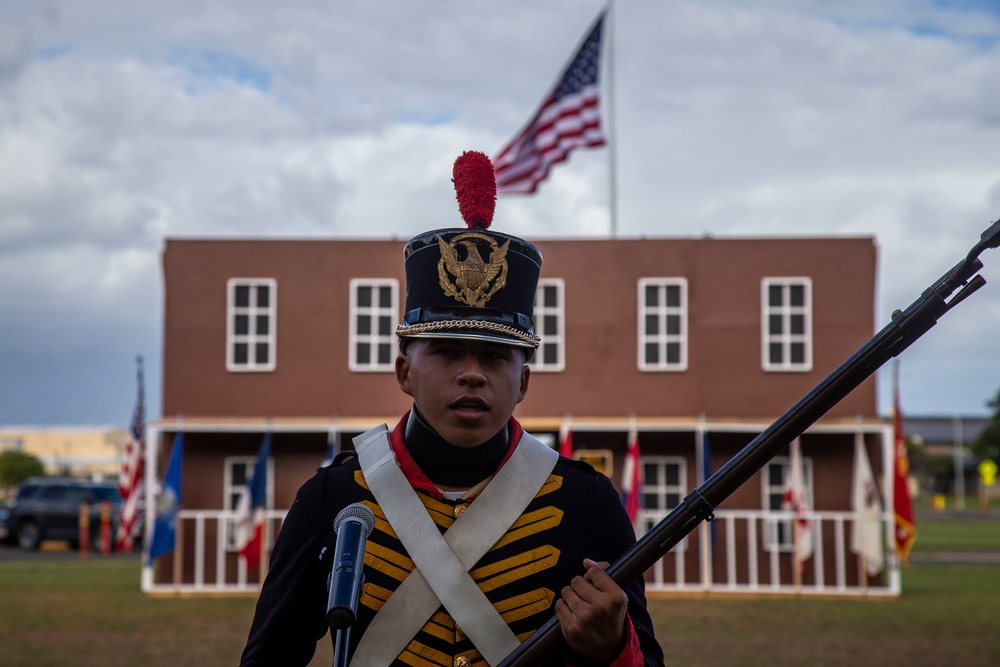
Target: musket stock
902, 331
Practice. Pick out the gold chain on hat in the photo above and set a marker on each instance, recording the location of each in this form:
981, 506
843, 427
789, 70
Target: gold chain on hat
444, 325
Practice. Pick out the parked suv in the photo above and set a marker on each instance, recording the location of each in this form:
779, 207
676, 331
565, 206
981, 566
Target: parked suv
48, 508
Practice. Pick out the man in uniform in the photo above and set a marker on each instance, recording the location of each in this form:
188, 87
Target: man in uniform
481, 532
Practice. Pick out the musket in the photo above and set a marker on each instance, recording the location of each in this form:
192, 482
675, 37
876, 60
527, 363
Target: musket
905, 327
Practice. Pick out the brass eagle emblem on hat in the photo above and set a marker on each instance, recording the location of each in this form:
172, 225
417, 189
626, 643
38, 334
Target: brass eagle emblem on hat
475, 279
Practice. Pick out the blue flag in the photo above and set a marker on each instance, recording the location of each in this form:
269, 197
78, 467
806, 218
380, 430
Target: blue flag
168, 503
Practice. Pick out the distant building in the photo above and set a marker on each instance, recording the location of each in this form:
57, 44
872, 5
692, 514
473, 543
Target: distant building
80, 451
701, 343
943, 435
939, 436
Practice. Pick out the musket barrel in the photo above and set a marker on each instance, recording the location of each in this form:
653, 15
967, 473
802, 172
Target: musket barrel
902, 331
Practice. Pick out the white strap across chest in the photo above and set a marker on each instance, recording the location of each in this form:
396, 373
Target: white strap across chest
443, 561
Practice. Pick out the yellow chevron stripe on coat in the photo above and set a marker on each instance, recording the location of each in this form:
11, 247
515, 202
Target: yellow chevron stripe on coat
494, 575
531, 523
388, 561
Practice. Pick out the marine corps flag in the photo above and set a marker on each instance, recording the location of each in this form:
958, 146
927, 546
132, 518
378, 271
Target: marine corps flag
906, 531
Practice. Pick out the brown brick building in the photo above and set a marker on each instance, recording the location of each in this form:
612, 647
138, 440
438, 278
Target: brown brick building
694, 341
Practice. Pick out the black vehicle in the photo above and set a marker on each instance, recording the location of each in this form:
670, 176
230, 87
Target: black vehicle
48, 508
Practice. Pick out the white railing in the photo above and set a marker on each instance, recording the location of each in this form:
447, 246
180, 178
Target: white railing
211, 564
738, 559
736, 554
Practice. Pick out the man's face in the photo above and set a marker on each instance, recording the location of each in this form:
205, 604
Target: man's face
466, 390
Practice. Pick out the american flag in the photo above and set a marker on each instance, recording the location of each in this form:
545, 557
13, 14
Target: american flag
130, 478
568, 118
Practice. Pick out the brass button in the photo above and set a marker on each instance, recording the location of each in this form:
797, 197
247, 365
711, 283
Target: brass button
459, 509
462, 661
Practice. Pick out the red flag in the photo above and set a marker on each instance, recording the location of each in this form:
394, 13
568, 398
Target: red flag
632, 476
906, 531
566, 438
130, 477
568, 118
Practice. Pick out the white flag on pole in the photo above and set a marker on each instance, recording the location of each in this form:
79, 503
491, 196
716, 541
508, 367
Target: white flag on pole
867, 533
795, 500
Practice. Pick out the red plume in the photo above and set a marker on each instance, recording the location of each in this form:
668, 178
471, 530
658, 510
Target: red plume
475, 188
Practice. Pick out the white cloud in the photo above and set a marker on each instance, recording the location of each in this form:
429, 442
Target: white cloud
121, 124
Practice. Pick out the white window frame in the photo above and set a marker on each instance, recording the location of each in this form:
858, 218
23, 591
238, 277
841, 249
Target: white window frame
557, 339
786, 312
661, 488
373, 338
231, 492
778, 532
662, 339
649, 517
252, 338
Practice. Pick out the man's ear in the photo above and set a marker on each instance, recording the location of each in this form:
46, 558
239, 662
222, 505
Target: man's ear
403, 373
525, 376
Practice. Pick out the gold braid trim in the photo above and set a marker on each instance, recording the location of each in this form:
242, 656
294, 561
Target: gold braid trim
446, 325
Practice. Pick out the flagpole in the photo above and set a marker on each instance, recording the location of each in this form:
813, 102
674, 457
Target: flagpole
612, 134
178, 557
705, 530
862, 533
797, 562
958, 462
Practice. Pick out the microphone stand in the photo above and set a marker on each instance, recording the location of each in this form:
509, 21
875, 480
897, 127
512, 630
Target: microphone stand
904, 329
346, 580
341, 644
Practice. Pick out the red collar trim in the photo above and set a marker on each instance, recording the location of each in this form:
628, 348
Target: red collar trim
416, 477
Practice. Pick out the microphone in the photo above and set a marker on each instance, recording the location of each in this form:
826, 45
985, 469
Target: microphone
352, 526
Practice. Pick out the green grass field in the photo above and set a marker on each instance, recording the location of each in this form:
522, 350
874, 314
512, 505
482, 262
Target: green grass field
91, 613
966, 533
946, 616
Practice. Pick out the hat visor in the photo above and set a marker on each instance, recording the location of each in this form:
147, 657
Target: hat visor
481, 335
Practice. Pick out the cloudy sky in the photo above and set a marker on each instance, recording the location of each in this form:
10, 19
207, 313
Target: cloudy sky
122, 123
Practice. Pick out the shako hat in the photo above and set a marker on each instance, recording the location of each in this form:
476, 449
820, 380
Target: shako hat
471, 283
